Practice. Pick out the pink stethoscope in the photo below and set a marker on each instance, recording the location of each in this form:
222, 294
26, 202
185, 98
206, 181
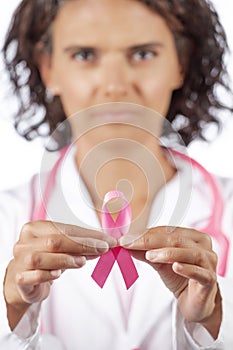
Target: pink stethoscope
213, 228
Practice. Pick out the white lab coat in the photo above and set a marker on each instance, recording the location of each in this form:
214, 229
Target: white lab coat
79, 315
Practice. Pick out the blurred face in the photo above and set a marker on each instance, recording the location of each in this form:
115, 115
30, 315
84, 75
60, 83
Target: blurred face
111, 51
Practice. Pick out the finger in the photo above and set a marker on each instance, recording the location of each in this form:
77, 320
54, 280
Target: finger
165, 236
81, 245
27, 280
86, 245
49, 261
199, 274
197, 256
140, 255
34, 286
45, 228
57, 243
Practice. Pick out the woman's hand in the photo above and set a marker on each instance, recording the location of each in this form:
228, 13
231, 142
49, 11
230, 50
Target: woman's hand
43, 251
187, 264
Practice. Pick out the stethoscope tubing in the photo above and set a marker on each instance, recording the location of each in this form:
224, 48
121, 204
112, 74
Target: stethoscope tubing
213, 228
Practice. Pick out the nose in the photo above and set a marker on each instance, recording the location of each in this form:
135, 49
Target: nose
115, 89
115, 80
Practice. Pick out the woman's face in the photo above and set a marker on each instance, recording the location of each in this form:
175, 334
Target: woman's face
111, 51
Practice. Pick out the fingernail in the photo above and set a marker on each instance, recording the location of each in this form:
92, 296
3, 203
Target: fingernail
102, 247
55, 273
112, 242
151, 255
80, 261
177, 267
126, 240
19, 277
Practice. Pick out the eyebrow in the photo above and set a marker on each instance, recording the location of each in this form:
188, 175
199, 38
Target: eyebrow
77, 48
145, 45
130, 48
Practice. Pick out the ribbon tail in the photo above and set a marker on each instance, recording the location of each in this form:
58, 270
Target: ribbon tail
103, 268
127, 267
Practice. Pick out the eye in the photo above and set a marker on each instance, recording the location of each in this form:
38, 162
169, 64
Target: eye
84, 55
143, 55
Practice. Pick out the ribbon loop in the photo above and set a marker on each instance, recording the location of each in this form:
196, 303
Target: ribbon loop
116, 229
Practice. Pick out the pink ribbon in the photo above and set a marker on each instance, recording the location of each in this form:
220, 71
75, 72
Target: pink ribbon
116, 229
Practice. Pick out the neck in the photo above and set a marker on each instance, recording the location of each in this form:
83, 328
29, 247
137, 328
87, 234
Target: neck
137, 171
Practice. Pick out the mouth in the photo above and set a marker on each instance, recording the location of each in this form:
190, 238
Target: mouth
115, 117
116, 113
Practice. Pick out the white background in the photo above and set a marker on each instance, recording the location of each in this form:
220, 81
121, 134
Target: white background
19, 158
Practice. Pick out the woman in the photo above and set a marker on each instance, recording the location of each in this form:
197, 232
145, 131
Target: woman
88, 53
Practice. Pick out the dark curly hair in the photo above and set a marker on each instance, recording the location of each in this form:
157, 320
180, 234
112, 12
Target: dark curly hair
201, 45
